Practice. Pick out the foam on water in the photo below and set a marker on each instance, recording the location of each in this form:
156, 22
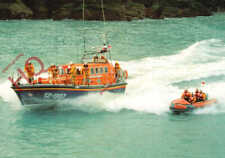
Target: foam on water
150, 84
8, 95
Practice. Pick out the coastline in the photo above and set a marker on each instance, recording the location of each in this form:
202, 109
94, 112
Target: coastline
119, 10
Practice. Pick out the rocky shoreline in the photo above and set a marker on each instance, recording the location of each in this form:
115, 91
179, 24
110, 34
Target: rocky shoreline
114, 9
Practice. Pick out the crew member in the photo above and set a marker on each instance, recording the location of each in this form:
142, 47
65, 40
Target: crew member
203, 96
29, 69
95, 59
185, 95
69, 69
85, 72
104, 59
56, 72
73, 73
117, 70
196, 91
104, 49
192, 100
53, 72
197, 95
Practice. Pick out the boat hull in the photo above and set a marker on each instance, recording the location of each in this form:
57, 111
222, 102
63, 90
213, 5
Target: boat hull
181, 105
33, 95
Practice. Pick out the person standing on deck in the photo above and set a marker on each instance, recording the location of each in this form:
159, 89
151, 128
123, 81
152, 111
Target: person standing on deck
117, 71
104, 49
73, 74
53, 73
85, 72
29, 69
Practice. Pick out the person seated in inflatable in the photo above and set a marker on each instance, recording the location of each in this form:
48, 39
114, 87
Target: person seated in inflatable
192, 99
186, 95
197, 95
203, 96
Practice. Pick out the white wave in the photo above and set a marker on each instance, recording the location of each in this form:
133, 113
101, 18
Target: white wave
215, 90
8, 95
149, 86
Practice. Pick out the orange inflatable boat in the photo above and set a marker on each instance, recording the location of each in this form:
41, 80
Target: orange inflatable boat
181, 105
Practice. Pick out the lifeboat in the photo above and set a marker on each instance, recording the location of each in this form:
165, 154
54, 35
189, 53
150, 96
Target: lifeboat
95, 74
181, 105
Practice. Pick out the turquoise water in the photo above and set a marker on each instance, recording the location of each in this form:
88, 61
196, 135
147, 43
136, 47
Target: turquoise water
162, 58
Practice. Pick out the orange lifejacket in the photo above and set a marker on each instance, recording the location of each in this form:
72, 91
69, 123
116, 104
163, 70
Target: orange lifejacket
186, 95
192, 99
117, 66
53, 71
203, 96
29, 69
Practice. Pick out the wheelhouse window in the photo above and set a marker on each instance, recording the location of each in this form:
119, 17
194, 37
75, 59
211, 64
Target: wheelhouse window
61, 71
101, 70
96, 70
92, 71
106, 69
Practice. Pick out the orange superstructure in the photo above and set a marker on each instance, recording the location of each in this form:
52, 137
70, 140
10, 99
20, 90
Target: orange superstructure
97, 72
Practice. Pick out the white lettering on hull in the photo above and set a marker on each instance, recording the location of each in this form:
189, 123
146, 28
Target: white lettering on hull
55, 95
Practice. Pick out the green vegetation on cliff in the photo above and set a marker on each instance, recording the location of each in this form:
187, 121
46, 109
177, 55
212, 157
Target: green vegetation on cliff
114, 10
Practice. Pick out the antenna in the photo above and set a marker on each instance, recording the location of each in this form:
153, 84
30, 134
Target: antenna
103, 16
83, 11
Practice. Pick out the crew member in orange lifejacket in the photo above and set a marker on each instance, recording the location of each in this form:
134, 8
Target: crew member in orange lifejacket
192, 100
103, 58
56, 72
186, 95
117, 70
197, 95
29, 69
104, 49
73, 74
53, 73
203, 96
85, 72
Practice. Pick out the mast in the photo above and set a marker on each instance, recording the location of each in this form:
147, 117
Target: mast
84, 41
105, 34
88, 53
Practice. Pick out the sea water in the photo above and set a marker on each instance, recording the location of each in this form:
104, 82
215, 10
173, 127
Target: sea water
163, 57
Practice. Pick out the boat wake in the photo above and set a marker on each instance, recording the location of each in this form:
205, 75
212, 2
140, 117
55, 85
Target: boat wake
155, 81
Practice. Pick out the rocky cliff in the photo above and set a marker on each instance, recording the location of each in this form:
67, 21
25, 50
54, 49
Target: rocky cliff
114, 9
